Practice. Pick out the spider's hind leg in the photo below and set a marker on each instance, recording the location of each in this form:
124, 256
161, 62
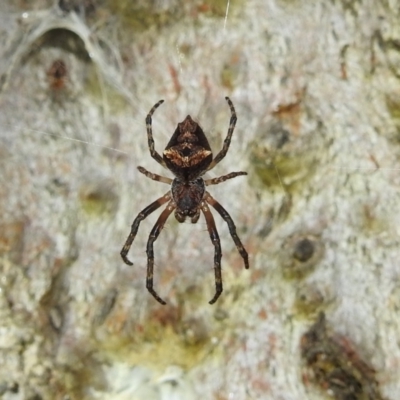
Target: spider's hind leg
135, 225
150, 249
212, 230
232, 228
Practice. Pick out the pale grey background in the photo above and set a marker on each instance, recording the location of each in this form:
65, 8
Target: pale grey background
316, 89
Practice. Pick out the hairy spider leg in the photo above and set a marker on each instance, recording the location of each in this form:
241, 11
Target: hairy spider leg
135, 225
231, 225
228, 138
212, 230
150, 250
150, 139
155, 177
223, 178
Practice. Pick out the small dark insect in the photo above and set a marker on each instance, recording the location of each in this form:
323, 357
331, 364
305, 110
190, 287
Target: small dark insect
57, 74
188, 156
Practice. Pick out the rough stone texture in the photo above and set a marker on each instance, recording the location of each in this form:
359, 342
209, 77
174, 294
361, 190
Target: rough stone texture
316, 89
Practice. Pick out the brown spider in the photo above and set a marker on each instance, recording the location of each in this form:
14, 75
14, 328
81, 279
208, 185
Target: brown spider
57, 74
188, 156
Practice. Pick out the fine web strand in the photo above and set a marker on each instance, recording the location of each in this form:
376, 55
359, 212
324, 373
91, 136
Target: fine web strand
44, 133
226, 14
279, 177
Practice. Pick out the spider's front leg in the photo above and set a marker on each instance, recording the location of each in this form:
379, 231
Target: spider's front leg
153, 151
150, 250
228, 138
155, 177
212, 230
135, 225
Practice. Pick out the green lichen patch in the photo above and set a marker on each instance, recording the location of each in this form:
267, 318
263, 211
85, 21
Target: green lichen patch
102, 92
280, 159
309, 301
163, 337
230, 71
139, 16
393, 106
98, 197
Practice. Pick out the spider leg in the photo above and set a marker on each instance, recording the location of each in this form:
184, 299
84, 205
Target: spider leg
150, 250
135, 225
231, 225
155, 177
227, 140
223, 178
153, 151
212, 230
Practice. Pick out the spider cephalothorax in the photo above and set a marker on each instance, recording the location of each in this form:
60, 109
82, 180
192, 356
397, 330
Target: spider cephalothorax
188, 156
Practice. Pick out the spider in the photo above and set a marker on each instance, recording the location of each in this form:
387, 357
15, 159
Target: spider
57, 74
188, 156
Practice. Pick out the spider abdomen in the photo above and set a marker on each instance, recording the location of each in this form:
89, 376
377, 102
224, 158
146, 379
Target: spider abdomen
188, 153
